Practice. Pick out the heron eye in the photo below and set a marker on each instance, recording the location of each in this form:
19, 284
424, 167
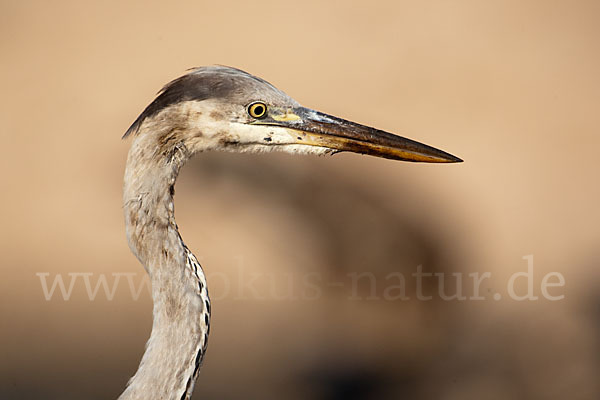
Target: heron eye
257, 110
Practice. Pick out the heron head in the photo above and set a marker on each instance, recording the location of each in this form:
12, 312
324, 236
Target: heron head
225, 108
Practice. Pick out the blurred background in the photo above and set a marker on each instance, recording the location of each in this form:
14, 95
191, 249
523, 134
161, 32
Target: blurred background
511, 87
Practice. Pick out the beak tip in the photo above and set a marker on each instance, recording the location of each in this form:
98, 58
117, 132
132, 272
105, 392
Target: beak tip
445, 158
454, 159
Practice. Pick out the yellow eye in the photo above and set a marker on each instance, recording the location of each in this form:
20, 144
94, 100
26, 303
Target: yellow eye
257, 110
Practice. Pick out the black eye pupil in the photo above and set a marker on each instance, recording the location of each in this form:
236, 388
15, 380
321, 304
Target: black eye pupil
258, 110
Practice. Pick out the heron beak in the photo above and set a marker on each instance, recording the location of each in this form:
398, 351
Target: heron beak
318, 129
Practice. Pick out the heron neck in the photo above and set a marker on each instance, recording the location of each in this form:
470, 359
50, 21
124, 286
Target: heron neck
174, 352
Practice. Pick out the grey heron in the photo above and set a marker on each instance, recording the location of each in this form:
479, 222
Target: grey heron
213, 108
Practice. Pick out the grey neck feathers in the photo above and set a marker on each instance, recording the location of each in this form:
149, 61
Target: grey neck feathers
174, 352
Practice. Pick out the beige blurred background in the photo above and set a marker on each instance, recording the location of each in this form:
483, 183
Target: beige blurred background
510, 86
